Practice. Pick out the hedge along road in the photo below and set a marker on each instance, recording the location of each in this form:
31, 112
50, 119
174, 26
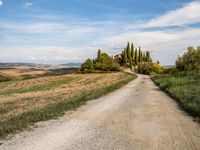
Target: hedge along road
137, 116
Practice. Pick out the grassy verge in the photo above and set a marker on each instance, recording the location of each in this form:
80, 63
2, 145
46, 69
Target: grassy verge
184, 87
26, 119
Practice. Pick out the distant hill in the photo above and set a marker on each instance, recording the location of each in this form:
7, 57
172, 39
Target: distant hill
71, 65
39, 66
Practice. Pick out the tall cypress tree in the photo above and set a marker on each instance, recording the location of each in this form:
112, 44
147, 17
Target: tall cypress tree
139, 57
136, 56
132, 55
125, 55
128, 52
99, 55
132, 52
144, 57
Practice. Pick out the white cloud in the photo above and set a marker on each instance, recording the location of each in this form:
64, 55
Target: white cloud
1, 2
69, 38
186, 15
28, 4
165, 45
155, 37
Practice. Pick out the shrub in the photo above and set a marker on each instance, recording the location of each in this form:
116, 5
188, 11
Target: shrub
189, 61
149, 67
171, 70
87, 66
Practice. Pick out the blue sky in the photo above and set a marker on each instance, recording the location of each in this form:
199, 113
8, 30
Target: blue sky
62, 31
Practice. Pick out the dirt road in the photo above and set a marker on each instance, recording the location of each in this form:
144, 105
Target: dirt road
137, 116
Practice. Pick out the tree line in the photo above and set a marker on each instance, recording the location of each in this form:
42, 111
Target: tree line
132, 57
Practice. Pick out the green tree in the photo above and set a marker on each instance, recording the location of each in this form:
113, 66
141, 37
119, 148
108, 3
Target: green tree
99, 55
148, 57
140, 55
128, 52
144, 57
125, 56
132, 55
132, 52
87, 65
189, 61
136, 56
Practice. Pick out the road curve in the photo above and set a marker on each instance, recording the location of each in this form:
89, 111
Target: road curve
138, 116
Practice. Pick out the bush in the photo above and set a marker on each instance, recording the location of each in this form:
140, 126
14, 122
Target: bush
103, 63
189, 61
171, 70
149, 67
87, 66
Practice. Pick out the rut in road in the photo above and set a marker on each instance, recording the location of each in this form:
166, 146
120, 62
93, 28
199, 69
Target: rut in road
137, 116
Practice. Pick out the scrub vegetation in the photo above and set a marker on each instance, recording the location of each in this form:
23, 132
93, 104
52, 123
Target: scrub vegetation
183, 81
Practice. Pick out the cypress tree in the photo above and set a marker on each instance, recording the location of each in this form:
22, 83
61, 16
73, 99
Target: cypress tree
139, 59
148, 58
128, 52
136, 56
132, 55
132, 52
125, 55
99, 55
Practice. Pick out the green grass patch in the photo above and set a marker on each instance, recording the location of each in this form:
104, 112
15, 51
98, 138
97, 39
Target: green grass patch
26, 119
184, 87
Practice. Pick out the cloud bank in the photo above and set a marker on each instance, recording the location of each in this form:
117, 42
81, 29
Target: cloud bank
52, 38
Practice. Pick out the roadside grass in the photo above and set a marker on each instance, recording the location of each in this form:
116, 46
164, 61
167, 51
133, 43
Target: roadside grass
26, 119
184, 87
37, 87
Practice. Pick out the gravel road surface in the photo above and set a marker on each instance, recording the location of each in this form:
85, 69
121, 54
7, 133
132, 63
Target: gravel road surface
138, 116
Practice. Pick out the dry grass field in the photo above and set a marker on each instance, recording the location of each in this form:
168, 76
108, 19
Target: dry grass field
7, 74
22, 100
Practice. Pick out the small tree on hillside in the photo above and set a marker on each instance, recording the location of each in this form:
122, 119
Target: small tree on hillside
148, 57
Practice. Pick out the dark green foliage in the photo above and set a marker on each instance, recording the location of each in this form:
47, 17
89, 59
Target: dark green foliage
140, 55
106, 63
149, 67
128, 58
128, 52
148, 57
87, 66
132, 53
98, 55
190, 60
103, 63
183, 86
125, 56
136, 57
